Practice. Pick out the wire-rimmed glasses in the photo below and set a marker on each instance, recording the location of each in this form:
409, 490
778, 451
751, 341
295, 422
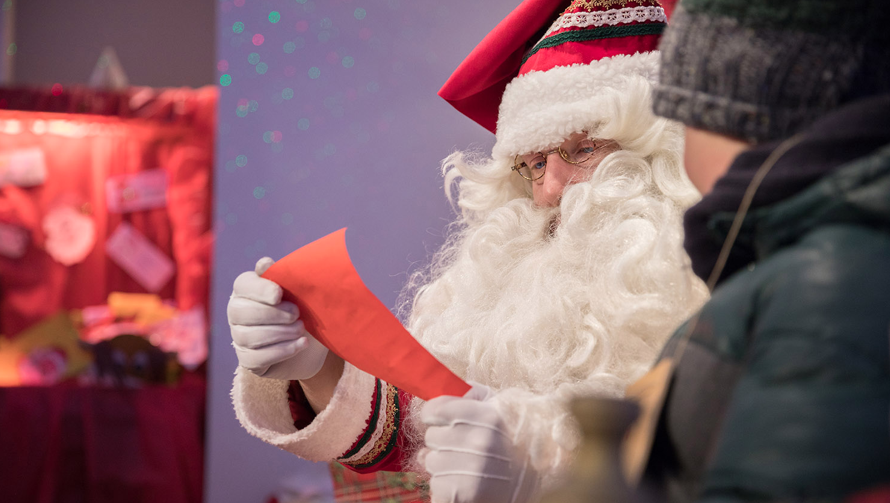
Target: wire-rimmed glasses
532, 166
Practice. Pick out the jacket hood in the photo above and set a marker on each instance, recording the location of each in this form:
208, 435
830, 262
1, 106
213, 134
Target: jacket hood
857, 194
838, 174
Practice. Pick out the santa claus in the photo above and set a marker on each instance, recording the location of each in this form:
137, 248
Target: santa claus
562, 275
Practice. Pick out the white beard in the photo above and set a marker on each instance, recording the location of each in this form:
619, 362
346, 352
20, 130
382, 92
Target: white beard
541, 315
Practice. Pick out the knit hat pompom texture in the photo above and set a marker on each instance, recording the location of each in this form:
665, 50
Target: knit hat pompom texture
763, 69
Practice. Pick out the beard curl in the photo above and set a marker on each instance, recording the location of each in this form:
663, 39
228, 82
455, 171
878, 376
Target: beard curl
543, 316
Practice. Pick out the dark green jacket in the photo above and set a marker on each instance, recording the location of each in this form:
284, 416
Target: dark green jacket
783, 392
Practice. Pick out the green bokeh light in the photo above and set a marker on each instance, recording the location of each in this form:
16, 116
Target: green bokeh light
241, 112
241, 161
303, 124
253, 105
289, 47
253, 58
360, 13
314, 73
262, 68
287, 93
12, 49
238, 27
274, 17
267, 137
225, 80
348, 61
259, 192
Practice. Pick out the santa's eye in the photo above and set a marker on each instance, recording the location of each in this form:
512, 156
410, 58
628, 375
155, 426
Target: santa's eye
586, 147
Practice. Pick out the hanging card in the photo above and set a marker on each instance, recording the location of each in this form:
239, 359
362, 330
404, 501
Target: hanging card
23, 168
339, 310
140, 191
139, 257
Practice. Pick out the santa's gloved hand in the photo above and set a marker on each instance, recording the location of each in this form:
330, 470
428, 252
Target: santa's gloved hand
470, 457
268, 335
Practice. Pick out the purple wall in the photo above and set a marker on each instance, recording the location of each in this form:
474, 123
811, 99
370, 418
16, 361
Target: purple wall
328, 118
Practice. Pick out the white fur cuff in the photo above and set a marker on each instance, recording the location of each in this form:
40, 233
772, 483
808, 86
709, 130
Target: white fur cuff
262, 407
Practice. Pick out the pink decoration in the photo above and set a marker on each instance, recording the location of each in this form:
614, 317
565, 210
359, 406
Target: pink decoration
70, 235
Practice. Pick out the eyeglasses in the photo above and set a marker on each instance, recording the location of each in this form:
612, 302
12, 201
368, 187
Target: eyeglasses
532, 166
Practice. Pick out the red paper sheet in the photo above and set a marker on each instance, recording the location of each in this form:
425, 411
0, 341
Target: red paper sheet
339, 310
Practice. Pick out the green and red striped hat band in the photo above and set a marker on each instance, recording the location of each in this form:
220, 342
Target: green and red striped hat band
591, 30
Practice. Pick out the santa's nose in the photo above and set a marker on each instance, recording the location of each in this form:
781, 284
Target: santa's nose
549, 188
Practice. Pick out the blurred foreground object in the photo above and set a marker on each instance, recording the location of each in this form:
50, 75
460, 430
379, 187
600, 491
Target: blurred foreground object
596, 474
781, 389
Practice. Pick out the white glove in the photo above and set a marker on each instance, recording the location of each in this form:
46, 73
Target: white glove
268, 335
471, 459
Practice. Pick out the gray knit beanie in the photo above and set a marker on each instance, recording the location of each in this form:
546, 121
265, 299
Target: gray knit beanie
763, 69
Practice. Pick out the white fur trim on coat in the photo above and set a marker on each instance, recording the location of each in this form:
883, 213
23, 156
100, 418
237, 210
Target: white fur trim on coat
541, 109
262, 407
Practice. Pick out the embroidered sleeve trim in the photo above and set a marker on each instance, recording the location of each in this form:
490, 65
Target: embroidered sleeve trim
372, 428
386, 442
596, 34
608, 18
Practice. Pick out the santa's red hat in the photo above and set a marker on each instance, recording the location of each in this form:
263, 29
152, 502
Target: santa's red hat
533, 81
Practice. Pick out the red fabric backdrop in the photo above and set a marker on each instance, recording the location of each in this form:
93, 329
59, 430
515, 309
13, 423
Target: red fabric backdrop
125, 133
76, 444
84, 444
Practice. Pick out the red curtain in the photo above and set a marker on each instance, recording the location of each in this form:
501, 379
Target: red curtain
69, 443
102, 445
86, 137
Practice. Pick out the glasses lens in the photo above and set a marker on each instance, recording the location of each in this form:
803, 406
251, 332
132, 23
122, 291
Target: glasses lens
532, 166
580, 152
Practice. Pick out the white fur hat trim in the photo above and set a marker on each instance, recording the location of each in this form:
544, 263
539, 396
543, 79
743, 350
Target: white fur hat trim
541, 109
